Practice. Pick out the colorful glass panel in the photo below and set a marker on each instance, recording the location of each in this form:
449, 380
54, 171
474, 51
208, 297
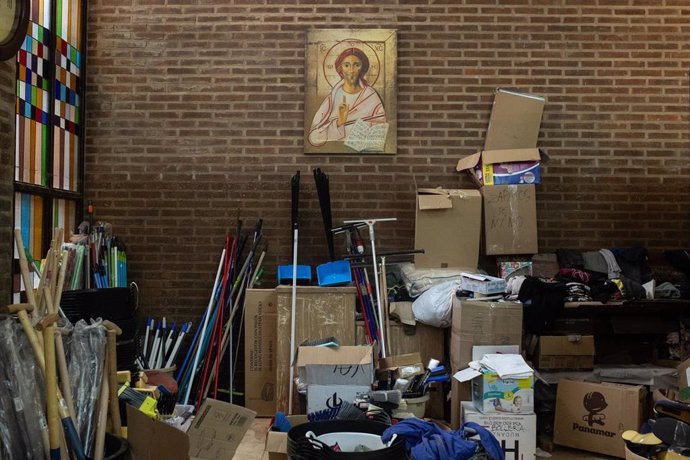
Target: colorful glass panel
66, 122
28, 216
32, 108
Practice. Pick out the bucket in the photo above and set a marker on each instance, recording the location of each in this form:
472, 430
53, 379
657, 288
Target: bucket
417, 406
116, 448
334, 273
347, 434
115, 304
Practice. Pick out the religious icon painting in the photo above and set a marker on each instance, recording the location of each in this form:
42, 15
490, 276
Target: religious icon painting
351, 91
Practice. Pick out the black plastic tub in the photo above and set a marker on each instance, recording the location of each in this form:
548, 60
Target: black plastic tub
115, 304
301, 448
116, 448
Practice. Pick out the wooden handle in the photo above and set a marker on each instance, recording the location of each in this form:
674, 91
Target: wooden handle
17, 307
110, 326
112, 384
24, 267
47, 321
61, 280
54, 431
99, 446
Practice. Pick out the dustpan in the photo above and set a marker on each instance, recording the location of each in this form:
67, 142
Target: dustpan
334, 273
303, 274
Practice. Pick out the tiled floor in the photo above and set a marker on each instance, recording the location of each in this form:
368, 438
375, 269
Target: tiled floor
252, 446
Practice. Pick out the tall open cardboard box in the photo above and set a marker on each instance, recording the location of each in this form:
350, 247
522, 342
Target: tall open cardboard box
447, 227
510, 155
479, 323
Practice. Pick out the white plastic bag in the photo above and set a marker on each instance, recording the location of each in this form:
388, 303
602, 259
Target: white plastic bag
435, 306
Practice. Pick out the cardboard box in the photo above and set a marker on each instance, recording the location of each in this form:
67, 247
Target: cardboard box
322, 312
492, 394
565, 352
510, 155
509, 266
276, 441
517, 433
215, 433
448, 227
483, 284
479, 323
344, 365
592, 416
260, 342
322, 397
510, 219
503, 167
428, 341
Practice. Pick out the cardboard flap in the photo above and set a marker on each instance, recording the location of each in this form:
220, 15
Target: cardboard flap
515, 120
345, 355
427, 201
392, 362
145, 436
510, 155
469, 162
218, 429
276, 442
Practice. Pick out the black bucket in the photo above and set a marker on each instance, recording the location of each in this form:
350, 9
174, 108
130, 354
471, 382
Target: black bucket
299, 447
115, 304
116, 448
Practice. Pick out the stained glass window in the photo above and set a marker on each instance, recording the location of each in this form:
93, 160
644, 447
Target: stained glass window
48, 170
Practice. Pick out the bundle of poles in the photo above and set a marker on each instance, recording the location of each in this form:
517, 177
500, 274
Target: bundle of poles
374, 304
74, 420
164, 344
216, 341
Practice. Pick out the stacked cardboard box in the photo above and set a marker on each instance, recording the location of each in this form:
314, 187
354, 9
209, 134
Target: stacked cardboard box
479, 323
334, 375
506, 171
517, 433
322, 312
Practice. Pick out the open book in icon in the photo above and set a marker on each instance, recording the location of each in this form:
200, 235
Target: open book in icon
367, 137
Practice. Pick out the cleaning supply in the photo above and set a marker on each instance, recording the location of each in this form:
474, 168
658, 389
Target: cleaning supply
334, 272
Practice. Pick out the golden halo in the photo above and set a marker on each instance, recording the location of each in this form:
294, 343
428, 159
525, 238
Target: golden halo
332, 54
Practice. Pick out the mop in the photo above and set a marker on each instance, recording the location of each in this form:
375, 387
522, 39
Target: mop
370, 223
293, 309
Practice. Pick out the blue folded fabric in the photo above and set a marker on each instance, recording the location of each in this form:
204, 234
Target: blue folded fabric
427, 441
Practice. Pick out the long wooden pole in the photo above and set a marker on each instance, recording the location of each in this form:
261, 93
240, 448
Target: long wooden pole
113, 332
54, 433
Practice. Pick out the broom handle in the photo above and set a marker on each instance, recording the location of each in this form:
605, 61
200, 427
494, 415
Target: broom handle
54, 432
24, 268
293, 320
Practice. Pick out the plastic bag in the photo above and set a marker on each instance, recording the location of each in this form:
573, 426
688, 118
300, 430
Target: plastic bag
86, 362
435, 306
23, 401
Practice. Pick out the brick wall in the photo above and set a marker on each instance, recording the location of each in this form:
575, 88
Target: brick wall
7, 76
196, 110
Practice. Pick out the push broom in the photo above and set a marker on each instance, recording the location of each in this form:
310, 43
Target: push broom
293, 308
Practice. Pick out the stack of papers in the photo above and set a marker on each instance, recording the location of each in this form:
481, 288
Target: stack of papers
507, 366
